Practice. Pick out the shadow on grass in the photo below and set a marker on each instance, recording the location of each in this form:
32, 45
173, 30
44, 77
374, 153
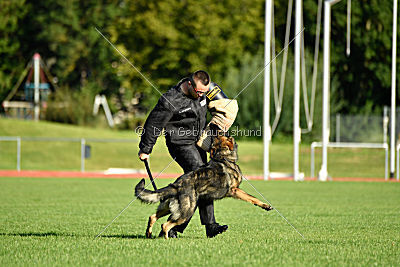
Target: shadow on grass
125, 236
144, 237
46, 234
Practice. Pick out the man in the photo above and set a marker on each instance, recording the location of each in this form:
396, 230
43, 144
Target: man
182, 112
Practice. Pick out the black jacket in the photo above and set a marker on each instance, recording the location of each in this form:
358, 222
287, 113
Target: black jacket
182, 117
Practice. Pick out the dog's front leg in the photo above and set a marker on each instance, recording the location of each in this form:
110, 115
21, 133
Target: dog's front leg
240, 194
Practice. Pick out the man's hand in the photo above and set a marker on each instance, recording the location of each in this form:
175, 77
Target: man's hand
143, 156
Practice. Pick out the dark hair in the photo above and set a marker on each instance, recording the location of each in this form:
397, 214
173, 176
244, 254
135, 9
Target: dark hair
201, 76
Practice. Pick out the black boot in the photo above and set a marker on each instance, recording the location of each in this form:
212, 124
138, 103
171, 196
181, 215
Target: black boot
215, 229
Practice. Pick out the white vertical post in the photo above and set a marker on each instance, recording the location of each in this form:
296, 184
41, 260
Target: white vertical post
393, 102
348, 27
323, 173
312, 160
267, 59
36, 64
296, 104
386, 160
83, 143
397, 167
385, 124
337, 127
18, 153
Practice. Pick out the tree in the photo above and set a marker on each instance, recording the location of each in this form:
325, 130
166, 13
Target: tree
11, 31
169, 39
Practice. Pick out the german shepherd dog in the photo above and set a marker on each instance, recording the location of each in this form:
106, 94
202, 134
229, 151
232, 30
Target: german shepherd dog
217, 179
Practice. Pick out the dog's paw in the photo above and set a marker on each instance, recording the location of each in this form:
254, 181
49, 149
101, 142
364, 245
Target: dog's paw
148, 234
267, 207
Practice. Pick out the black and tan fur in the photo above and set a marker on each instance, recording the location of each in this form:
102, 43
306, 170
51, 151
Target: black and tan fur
218, 179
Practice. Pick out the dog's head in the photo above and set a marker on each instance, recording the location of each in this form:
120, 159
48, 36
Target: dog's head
224, 147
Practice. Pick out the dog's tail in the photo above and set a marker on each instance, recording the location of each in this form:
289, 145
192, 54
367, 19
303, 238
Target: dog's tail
149, 196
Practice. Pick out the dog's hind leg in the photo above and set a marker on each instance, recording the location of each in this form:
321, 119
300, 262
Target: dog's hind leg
182, 210
161, 212
240, 194
171, 224
152, 219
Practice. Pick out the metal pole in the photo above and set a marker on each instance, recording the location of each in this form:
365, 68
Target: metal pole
18, 153
83, 143
323, 173
385, 124
386, 161
267, 59
348, 27
296, 104
393, 102
338, 128
397, 170
312, 160
36, 62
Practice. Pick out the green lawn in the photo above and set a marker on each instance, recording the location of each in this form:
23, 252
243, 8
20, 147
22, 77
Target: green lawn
66, 155
54, 222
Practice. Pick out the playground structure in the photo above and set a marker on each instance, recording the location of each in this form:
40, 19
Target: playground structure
29, 95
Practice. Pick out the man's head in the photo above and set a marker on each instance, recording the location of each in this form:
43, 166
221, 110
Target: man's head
199, 83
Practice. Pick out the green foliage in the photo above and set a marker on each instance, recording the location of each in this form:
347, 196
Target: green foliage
11, 32
249, 97
67, 106
364, 78
78, 52
167, 39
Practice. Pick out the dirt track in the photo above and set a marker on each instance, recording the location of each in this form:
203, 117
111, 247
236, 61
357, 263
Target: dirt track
77, 174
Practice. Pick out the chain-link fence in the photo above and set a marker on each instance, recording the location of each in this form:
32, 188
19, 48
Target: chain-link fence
361, 128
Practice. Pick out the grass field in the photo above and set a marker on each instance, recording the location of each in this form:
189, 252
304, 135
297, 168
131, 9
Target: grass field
66, 155
54, 222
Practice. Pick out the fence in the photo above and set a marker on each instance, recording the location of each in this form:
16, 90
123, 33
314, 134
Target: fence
84, 151
358, 131
359, 128
352, 145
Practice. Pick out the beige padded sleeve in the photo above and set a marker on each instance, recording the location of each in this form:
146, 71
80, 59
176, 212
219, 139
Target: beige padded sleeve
224, 113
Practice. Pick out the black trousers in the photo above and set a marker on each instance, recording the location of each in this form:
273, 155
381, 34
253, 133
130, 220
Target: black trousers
190, 158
